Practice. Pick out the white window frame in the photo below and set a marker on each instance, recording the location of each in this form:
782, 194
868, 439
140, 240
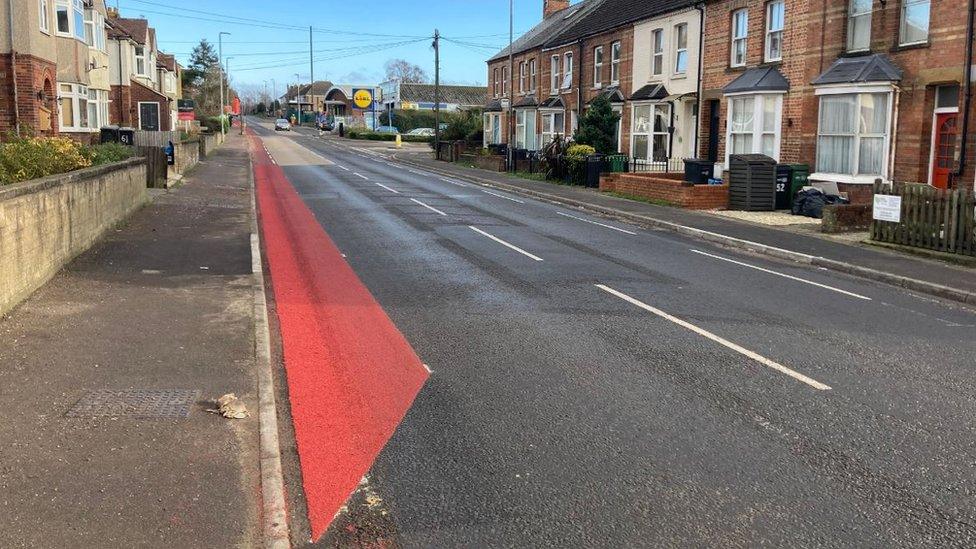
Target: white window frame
522, 76
78, 96
634, 134
66, 6
494, 88
567, 70
525, 129
549, 122
532, 75
135, 61
493, 128
95, 23
737, 38
615, 63
886, 164
852, 19
170, 82
44, 16
768, 54
902, 26
757, 123
554, 82
679, 49
657, 52
598, 67
505, 76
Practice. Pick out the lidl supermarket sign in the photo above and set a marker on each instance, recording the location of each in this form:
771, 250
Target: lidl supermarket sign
362, 98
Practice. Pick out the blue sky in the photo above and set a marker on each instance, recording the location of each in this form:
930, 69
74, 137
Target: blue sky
355, 43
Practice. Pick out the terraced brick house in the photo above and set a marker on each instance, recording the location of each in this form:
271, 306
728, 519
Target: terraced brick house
138, 100
858, 90
575, 54
53, 77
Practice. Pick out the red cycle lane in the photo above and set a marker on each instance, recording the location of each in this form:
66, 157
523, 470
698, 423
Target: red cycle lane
352, 375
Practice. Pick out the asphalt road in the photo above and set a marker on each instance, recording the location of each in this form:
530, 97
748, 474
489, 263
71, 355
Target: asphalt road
598, 384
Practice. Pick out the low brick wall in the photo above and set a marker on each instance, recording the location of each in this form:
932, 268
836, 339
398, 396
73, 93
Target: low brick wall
187, 156
668, 187
838, 218
492, 163
46, 222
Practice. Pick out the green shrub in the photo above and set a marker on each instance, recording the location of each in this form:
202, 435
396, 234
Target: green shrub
373, 136
580, 151
212, 123
31, 158
107, 153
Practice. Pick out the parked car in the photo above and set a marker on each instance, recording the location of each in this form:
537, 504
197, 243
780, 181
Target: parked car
387, 129
423, 132
282, 125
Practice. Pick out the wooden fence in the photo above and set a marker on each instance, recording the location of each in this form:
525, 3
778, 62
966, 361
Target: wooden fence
931, 218
155, 139
156, 166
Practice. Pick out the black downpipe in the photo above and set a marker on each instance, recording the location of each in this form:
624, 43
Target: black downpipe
701, 64
967, 100
579, 87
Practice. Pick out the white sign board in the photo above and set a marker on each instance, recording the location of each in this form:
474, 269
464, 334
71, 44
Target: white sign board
887, 208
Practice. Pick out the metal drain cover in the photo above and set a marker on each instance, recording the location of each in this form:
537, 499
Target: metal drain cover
153, 404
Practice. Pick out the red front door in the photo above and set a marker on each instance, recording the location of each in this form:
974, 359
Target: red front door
945, 149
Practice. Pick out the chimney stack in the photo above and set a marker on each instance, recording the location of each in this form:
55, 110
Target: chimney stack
550, 7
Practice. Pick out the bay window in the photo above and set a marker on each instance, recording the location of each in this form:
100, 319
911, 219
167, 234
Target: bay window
657, 54
859, 25
62, 16
74, 107
754, 123
554, 74
95, 30
681, 48
615, 63
567, 71
553, 125
740, 31
775, 19
852, 136
649, 137
525, 129
598, 67
914, 21
493, 129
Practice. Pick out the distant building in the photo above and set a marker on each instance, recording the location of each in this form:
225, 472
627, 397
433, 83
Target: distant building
408, 96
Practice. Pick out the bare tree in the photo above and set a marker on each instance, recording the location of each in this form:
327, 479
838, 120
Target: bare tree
405, 71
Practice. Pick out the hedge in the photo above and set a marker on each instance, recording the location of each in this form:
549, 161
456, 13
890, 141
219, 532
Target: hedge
373, 136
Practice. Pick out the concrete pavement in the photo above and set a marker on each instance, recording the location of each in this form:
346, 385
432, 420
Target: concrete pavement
159, 315
712, 398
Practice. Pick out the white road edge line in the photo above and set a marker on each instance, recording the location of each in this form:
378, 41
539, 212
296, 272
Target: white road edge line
387, 188
503, 243
459, 184
429, 371
431, 208
342, 167
357, 174
502, 196
597, 223
722, 341
784, 275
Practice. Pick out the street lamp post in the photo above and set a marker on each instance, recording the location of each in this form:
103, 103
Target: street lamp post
298, 96
220, 62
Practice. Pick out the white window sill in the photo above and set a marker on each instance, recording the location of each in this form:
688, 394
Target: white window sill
679, 75
845, 178
909, 44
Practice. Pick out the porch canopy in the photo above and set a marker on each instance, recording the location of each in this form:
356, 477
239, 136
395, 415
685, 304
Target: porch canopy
758, 80
860, 70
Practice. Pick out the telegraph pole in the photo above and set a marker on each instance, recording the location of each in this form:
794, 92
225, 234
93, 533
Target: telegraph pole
511, 84
437, 93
